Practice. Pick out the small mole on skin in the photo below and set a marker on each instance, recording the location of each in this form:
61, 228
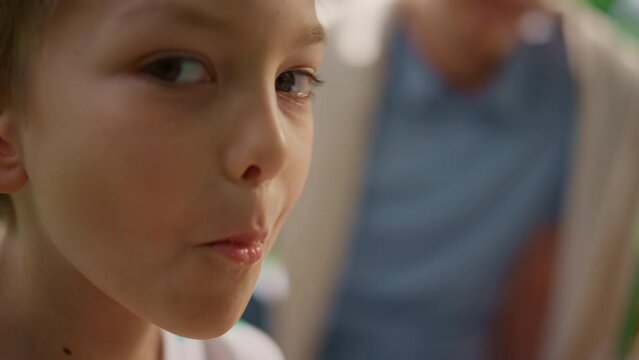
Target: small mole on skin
67, 351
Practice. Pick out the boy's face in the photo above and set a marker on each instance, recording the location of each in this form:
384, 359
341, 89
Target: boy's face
159, 129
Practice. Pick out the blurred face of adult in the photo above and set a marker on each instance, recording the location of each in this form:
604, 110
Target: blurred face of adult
485, 28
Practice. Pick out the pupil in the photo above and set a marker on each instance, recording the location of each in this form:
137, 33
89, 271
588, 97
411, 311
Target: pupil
168, 69
286, 82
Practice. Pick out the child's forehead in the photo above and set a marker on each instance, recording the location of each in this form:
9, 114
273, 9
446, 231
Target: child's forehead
229, 10
236, 17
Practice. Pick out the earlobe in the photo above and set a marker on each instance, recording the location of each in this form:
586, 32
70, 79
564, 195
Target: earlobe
12, 173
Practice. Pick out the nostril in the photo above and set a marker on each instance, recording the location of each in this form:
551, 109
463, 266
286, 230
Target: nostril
6, 149
252, 172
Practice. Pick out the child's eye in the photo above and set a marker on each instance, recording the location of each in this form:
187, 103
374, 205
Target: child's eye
178, 70
297, 83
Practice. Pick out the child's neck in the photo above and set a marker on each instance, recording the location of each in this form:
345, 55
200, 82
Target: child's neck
48, 310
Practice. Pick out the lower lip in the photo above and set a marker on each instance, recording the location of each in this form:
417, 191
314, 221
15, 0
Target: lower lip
242, 253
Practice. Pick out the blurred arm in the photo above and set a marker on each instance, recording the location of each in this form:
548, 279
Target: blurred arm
523, 313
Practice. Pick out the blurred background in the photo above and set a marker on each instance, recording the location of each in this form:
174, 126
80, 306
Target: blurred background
475, 187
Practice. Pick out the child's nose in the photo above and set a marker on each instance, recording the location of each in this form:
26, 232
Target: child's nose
258, 151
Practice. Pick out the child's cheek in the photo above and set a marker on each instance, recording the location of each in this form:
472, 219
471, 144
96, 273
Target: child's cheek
296, 174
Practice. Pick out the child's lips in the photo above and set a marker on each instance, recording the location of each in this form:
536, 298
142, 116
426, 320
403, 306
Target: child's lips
246, 248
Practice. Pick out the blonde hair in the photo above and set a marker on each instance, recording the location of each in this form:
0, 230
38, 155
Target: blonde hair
21, 21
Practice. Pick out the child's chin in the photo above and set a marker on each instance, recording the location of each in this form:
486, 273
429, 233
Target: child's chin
210, 332
206, 327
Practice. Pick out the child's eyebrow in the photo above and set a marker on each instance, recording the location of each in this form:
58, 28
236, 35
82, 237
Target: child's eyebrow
174, 11
314, 35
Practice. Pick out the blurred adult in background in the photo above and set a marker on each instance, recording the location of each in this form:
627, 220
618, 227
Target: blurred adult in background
437, 191
466, 166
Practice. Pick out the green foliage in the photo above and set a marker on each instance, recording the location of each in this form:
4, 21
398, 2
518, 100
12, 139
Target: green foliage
624, 12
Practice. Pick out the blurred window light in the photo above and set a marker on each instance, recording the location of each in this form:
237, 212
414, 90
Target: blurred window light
359, 38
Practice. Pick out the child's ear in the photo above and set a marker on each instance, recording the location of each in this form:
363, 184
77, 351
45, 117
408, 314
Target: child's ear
12, 173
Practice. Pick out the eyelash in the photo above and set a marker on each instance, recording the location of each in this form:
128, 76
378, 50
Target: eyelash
148, 68
317, 80
303, 94
158, 67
